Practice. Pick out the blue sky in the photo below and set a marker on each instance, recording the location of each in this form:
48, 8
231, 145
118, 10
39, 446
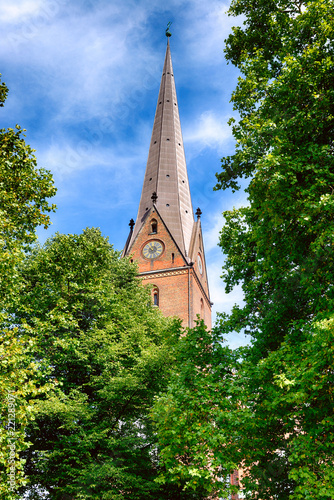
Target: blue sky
83, 78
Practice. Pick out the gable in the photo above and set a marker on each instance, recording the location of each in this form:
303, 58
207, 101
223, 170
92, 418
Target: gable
153, 230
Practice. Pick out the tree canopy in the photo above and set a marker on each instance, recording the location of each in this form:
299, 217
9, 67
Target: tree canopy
110, 351
280, 247
24, 205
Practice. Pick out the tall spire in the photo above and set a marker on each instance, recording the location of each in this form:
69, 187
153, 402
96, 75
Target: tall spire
166, 170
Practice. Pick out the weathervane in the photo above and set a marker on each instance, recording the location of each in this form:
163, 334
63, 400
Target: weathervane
168, 33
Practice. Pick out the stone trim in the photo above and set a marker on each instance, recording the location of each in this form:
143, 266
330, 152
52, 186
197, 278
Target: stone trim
161, 274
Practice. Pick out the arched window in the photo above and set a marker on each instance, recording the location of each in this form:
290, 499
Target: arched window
202, 309
154, 226
156, 297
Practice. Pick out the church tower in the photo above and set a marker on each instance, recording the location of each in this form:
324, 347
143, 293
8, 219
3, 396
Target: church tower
165, 240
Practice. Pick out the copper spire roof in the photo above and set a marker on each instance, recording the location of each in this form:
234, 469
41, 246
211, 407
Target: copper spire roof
166, 170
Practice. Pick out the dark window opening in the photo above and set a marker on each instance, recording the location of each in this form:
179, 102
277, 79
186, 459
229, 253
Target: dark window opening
156, 297
202, 309
172, 258
154, 226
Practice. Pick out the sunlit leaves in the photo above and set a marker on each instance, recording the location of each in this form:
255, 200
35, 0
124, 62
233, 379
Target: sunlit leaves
280, 247
24, 193
110, 352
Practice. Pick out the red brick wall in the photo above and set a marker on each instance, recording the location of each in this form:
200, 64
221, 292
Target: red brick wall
175, 284
173, 292
196, 296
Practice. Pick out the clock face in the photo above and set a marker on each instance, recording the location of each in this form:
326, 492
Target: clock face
199, 263
152, 249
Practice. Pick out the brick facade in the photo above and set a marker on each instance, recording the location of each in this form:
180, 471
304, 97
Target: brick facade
180, 286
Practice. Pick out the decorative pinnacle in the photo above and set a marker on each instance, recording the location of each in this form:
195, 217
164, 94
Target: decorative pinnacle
154, 197
198, 213
168, 33
131, 224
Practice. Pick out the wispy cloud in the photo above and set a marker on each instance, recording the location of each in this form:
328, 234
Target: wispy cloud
21, 9
209, 130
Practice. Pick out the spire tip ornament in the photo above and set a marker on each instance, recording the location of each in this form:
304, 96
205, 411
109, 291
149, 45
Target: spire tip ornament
154, 197
168, 33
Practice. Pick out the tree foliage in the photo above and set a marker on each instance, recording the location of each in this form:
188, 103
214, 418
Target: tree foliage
24, 190
190, 416
110, 353
280, 247
24, 193
21, 384
272, 420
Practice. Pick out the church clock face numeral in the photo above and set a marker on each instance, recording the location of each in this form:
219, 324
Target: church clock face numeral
152, 249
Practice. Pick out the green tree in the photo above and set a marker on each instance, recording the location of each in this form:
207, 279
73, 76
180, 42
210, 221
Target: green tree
272, 419
21, 385
280, 247
24, 190
110, 352
192, 415
24, 193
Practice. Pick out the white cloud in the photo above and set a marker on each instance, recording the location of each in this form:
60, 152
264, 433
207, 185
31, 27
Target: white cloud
209, 130
223, 302
216, 220
211, 235
16, 11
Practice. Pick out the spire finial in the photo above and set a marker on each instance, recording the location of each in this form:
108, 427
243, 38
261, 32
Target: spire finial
168, 33
198, 213
154, 197
131, 224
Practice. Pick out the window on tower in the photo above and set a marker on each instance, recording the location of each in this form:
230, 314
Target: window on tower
156, 297
154, 226
202, 309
